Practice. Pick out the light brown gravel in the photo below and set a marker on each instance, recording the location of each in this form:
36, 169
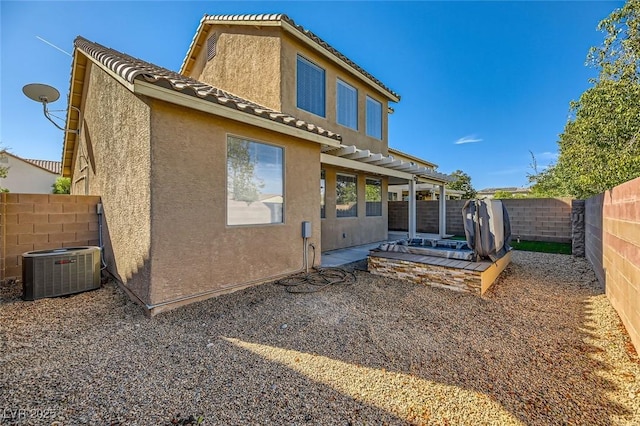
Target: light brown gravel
543, 347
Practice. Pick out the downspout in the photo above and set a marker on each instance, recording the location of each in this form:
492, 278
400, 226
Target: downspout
100, 242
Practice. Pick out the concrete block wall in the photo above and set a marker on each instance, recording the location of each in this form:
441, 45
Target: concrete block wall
593, 234
533, 219
43, 221
613, 249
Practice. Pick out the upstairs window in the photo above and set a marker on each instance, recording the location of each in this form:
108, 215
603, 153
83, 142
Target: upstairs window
347, 105
255, 184
374, 118
310, 87
373, 196
346, 195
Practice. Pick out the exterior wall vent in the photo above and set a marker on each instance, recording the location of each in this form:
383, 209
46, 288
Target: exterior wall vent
52, 273
211, 46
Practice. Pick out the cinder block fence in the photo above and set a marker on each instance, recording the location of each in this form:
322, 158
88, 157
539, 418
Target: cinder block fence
41, 221
612, 241
534, 219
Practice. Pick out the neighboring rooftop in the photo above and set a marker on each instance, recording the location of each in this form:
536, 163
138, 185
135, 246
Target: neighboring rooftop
512, 189
288, 24
50, 166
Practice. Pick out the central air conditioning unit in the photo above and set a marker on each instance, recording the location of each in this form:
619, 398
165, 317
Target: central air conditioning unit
58, 272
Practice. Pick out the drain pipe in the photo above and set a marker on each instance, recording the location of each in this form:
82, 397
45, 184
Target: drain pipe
100, 242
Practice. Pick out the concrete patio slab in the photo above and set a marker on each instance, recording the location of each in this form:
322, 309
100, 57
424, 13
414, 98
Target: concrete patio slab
333, 258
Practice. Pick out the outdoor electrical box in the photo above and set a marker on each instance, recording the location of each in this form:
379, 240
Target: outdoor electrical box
306, 229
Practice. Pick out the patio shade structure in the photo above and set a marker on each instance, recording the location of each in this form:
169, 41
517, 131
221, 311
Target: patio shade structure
398, 171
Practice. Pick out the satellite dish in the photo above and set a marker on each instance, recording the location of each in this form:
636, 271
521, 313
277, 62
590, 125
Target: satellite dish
45, 94
41, 92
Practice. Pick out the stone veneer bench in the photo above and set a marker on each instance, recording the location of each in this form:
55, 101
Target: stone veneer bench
457, 275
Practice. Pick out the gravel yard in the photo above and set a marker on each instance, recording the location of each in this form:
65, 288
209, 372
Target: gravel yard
543, 347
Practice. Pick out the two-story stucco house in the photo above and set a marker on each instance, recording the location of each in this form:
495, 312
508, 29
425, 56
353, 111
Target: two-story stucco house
207, 175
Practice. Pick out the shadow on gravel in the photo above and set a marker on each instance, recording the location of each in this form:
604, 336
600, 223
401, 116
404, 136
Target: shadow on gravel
527, 346
378, 351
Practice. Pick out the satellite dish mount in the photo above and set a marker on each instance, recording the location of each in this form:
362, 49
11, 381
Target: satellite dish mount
46, 94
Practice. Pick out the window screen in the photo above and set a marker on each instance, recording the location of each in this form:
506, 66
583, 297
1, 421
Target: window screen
310, 87
374, 118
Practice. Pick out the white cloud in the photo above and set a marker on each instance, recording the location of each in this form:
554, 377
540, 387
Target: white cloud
547, 156
467, 139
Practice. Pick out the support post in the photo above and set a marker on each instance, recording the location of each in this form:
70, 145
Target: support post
412, 209
442, 210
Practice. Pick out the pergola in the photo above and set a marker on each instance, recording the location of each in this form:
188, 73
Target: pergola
398, 171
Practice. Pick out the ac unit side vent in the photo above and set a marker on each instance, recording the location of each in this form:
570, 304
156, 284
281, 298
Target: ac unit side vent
60, 272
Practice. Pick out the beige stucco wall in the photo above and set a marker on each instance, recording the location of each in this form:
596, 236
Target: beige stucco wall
247, 63
350, 231
112, 160
25, 178
260, 65
193, 249
291, 47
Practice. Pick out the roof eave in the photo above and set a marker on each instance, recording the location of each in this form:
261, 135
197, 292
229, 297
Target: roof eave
146, 88
196, 42
297, 34
76, 88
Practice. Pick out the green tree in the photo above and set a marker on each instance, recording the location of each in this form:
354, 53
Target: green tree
462, 182
600, 145
4, 171
243, 183
501, 195
62, 185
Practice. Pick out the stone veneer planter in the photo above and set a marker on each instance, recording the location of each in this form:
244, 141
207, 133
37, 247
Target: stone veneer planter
457, 275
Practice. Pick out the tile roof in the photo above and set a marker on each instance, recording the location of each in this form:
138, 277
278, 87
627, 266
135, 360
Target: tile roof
280, 17
507, 189
130, 69
52, 166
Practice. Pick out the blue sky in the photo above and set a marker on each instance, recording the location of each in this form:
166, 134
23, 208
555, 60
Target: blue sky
482, 83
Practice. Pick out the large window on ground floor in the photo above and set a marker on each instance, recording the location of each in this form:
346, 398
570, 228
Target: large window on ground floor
346, 195
373, 196
255, 184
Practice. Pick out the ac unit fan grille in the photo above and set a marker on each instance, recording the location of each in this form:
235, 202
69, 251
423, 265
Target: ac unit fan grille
49, 273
